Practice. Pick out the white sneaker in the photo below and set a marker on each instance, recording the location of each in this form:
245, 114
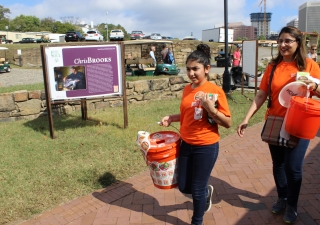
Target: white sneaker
209, 202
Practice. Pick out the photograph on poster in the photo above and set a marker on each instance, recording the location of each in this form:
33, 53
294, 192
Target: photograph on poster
69, 78
84, 71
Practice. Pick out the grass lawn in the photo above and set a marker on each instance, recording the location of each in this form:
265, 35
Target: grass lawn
38, 173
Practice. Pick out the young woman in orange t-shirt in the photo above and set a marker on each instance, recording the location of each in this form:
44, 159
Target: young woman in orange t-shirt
200, 139
287, 162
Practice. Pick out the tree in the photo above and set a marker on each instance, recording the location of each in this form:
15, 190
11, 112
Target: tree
47, 24
4, 12
63, 28
24, 23
261, 37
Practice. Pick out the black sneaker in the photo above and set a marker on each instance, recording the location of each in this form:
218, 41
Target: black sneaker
209, 203
290, 215
279, 206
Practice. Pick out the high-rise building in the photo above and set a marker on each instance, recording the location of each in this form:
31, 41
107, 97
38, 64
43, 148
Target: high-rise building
257, 20
309, 17
242, 31
294, 23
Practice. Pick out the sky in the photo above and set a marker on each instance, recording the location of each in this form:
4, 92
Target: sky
175, 18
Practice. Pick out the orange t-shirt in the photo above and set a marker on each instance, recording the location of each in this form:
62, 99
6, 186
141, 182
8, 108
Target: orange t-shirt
200, 132
284, 74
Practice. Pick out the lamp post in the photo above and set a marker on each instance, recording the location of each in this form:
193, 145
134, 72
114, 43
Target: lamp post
107, 27
226, 75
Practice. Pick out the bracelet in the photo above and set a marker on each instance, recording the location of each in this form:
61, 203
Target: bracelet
315, 89
215, 114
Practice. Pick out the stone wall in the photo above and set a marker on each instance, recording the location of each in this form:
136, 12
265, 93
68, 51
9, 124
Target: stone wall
32, 104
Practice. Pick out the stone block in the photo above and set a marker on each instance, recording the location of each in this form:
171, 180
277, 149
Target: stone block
102, 105
34, 94
159, 84
141, 86
117, 103
68, 109
4, 114
176, 80
6, 102
20, 96
30, 107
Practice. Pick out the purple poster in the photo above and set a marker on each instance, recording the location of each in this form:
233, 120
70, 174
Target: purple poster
100, 70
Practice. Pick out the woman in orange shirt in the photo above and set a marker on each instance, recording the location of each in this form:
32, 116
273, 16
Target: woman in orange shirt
200, 139
287, 162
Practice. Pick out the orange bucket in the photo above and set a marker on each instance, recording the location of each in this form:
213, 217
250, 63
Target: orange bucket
162, 158
303, 119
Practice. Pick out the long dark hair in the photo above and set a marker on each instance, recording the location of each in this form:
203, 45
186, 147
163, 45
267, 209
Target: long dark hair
201, 55
300, 54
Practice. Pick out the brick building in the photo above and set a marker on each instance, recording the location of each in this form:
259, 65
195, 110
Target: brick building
241, 30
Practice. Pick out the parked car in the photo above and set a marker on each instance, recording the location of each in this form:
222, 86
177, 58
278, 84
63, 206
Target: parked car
74, 36
156, 36
93, 35
189, 38
147, 37
116, 35
167, 38
136, 35
28, 40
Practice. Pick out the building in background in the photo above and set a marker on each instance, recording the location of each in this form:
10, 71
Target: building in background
274, 35
257, 20
309, 17
294, 23
242, 31
217, 35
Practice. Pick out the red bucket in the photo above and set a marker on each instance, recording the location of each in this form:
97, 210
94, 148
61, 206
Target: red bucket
303, 119
162, 158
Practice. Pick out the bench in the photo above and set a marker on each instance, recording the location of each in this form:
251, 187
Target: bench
140, 66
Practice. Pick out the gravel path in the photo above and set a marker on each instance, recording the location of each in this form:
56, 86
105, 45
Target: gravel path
21, 77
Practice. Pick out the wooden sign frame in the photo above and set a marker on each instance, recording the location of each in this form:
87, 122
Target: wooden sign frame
102, 75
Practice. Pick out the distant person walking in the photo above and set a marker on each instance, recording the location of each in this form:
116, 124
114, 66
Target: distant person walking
313, 53
164, 53
151, 53
236, 57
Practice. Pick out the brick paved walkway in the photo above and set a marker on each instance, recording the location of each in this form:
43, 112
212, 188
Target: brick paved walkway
244, 193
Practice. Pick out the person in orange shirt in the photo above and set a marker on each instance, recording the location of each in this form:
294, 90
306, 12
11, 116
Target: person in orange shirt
201, 102
287, 162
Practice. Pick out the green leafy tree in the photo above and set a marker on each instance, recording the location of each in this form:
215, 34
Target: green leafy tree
63, 28
47, 24
4, 18
24, 23
261, 37
4, 12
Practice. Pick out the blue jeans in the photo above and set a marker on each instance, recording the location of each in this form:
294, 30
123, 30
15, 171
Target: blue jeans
195, 166
287, 170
